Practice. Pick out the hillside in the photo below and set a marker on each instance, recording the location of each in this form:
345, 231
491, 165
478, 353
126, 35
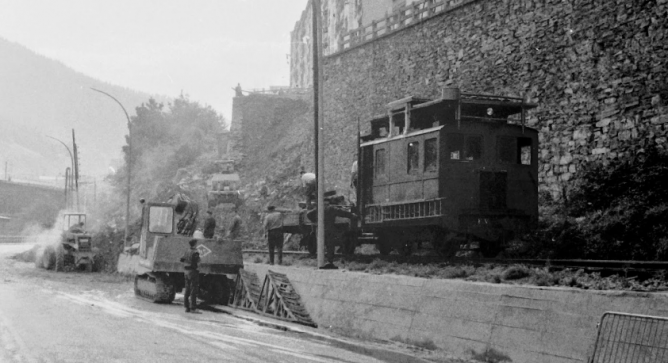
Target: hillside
42, 97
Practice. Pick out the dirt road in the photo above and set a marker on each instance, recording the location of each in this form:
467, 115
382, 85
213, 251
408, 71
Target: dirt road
78, 317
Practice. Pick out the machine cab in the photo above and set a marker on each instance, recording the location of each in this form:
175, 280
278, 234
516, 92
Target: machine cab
157, 220
72, 222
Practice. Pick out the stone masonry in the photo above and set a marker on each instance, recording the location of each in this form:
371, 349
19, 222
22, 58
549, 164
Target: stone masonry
596, 68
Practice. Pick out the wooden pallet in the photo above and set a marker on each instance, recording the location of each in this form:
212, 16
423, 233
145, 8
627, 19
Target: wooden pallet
278, 299
246, 291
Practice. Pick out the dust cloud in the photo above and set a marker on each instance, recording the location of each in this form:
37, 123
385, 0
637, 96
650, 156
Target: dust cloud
42, 238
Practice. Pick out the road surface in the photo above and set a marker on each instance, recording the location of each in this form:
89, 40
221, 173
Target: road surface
78, 317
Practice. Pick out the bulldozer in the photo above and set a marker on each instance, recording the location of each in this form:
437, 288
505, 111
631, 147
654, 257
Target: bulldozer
166, 229
224, 185
74, 251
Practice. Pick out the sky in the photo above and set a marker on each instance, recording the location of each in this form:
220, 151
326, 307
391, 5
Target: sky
202, 48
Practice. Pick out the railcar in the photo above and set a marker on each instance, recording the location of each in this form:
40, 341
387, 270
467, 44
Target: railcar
457, 172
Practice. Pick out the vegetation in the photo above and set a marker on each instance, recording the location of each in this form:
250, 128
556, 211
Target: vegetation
616, 211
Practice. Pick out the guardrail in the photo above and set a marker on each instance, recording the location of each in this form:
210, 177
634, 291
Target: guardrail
17, 239
399, 19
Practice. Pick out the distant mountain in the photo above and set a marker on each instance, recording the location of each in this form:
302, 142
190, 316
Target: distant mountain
42, 97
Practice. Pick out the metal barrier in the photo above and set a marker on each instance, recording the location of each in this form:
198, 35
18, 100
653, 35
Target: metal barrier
631, 338
17, 239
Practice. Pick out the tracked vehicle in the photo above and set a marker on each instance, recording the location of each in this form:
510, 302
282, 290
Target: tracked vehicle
224, 185
165, 232
74, 251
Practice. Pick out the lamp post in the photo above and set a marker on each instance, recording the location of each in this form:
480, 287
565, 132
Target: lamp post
127, 209
71, 160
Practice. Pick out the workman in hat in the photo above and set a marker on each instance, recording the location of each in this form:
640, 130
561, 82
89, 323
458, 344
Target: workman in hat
331, 212
273, 231
190, 260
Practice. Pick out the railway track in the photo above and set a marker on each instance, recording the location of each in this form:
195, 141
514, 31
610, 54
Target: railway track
589, 265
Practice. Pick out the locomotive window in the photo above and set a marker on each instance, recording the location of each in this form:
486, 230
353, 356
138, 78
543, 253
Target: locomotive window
473, 148
413, 154
524, 150
430, 155
464, 147
379, 165
506, 149
515, 150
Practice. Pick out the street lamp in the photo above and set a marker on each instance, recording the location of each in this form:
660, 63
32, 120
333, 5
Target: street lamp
72, 169
127, 209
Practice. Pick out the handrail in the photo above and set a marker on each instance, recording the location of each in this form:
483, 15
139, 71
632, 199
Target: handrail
401, 18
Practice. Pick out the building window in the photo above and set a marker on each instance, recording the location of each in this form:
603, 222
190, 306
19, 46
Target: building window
379, 165
413, 157
430, 155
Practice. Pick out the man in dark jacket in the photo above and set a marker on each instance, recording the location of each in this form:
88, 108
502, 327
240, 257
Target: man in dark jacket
190, 260
209, 225
273, 230
331, 212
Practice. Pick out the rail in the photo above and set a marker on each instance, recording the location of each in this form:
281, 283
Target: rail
17, 239
401, 18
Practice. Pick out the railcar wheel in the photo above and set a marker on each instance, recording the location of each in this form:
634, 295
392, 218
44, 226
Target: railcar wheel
349, 244
446, 243
383, 244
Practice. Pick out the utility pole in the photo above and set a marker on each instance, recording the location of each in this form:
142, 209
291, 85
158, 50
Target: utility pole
319, 126
6, 170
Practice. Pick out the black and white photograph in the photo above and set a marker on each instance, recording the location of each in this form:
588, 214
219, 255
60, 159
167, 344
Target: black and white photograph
334, 181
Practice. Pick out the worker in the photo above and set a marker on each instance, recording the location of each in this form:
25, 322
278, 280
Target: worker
273, 231
331, 212
77, 228
190, 260
309, 186
235, 226
209, 225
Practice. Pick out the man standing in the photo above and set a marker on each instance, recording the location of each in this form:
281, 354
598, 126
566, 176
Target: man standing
235, 226
190, 260
273, 230
331, 212
209, 225
309, 186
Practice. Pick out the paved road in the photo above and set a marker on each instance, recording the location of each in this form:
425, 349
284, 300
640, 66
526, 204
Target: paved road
78, 317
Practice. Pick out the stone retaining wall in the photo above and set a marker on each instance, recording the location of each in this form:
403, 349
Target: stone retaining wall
597, 69
527, 324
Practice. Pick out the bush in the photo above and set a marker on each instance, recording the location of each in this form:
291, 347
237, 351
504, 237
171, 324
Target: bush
617, 210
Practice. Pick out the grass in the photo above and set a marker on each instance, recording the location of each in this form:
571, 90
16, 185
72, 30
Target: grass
490, 273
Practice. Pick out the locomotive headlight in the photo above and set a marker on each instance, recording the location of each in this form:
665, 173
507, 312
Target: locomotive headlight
490, 111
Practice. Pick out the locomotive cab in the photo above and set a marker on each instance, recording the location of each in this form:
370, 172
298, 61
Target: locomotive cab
459, 170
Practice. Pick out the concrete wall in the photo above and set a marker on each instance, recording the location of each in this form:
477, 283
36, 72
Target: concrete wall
527, 324
27, 204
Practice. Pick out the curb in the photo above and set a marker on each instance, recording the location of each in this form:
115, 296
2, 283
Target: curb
358, 347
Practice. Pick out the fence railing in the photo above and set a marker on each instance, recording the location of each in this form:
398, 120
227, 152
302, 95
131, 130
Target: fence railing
17, 239
399, 19
630, 338
378, 213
